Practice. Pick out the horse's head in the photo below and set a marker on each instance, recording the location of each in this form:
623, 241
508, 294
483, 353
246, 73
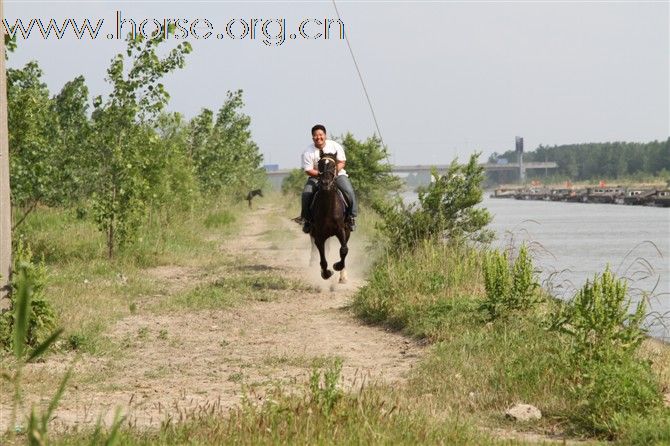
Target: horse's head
327, 171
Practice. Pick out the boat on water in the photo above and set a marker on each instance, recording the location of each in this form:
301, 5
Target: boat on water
637, 196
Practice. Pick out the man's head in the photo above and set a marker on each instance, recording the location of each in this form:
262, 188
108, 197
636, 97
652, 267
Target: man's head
319, 136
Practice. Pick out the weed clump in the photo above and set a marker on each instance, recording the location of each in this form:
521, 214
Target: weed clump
324, 391
609, 381
509, 285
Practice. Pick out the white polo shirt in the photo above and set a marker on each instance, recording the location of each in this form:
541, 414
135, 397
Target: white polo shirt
310, 159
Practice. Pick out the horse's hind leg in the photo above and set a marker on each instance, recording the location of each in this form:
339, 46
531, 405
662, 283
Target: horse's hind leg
325, 272
312, 252
343, 276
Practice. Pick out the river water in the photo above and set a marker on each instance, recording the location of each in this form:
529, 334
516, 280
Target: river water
573, 241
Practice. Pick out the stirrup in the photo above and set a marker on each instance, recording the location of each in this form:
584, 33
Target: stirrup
306, 227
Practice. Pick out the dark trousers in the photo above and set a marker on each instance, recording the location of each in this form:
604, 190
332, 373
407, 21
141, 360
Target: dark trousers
343, 184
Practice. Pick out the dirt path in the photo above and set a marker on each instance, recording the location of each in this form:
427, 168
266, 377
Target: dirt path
187, 360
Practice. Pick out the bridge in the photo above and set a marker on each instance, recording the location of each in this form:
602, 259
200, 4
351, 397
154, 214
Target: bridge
277, 176
492, 167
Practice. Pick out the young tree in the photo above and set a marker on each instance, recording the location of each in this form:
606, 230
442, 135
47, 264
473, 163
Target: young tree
34, 146
229, 159
123, 135
75, 159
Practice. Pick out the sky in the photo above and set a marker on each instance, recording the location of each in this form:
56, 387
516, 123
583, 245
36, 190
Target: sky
444, 78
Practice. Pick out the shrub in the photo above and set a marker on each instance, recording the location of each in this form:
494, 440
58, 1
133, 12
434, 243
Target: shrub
41, 319
294, 183
446, 209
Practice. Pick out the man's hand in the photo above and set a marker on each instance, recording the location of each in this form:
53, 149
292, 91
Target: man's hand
340, 166
312, 172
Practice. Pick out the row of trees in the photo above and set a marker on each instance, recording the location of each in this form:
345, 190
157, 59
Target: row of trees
601, 160
127, 155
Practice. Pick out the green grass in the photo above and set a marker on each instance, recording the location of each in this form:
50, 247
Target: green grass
219, 219
233, 288
319, 414
652, 429
479, 367
90, 292
419, 294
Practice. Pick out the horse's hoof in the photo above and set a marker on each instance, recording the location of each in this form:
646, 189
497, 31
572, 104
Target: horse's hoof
343, 276
326, 273
339, 266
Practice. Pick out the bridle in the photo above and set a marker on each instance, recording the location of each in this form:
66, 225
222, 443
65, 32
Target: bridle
327, 169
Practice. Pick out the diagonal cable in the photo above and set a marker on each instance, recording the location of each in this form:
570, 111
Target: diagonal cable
365, 90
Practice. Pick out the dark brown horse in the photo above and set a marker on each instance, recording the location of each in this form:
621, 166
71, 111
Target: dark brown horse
252, 194
328, 216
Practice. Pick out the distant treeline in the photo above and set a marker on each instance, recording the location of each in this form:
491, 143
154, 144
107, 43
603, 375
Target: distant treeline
596, 160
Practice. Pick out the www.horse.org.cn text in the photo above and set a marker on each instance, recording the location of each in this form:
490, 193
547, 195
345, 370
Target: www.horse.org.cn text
271, 32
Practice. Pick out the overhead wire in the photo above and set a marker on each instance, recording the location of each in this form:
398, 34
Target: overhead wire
365, 90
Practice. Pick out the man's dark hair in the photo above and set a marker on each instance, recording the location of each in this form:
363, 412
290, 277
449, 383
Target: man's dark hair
318, 127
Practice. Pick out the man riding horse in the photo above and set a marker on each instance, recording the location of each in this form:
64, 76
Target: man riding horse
310, 160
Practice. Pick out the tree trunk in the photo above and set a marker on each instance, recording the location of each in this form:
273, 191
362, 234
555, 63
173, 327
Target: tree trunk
110, 228
5, 205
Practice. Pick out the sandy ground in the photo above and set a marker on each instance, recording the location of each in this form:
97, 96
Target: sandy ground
189, 360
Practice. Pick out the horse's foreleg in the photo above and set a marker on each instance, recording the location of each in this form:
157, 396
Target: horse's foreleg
325, 272
341, 236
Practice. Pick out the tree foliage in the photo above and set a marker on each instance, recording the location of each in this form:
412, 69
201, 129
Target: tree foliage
75, 158
368, 169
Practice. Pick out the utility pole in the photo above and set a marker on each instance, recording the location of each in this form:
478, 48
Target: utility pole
5, 205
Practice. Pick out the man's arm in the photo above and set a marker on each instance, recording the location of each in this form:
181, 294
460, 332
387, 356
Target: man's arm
308, 166
341, 157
